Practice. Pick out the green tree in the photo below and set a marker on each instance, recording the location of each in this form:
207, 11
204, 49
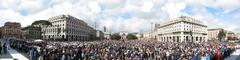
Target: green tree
131, 37
41, 24
115, 36
221, 34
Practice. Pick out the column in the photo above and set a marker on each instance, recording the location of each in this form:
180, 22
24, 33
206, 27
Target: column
165, 39
194, 39
170, 38
205, 39
174, 39
162, 39
178, 40
181, 37
201, 39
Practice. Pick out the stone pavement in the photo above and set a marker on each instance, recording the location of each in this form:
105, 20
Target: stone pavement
234, 56
16, 55
12, 54
5, 55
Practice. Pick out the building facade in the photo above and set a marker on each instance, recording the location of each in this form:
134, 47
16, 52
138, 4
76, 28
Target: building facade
238, 36
100, 35
182, 29
123, 35
1, 32
31, 32
150, 35
107, 35
12, 30
213, 33
231, 35
147, 35
68, 28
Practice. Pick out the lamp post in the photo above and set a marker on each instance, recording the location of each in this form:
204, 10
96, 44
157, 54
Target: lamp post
151, 33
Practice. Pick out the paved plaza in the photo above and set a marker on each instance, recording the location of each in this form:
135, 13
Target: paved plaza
11, 54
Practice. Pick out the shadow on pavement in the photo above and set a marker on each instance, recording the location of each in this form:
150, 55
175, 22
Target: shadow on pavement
5, 55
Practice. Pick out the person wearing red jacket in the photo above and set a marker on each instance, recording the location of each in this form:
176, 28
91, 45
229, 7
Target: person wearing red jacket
218, 54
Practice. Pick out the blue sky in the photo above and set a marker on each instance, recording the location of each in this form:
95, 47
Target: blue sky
124, 15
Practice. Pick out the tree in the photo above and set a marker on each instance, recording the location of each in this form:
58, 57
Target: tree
131, 37
41, 24
115, 36
221, 34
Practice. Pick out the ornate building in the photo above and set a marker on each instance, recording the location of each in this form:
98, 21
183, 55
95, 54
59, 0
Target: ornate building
182, 29
31, 32
12, 30
68, 28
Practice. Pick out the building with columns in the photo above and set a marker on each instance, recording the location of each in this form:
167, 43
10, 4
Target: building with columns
12, 30
68, 28
213, 33
182, 29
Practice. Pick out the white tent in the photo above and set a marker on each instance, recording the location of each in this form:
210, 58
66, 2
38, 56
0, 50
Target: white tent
38, 40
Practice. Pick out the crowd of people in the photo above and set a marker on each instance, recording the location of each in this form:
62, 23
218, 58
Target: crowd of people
3, 48
123, 50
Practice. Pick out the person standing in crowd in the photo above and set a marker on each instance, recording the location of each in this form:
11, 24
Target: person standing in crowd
0, 48
41, 54
63, 55
127, 50
35, 54
218, 54
4, 48
31, 53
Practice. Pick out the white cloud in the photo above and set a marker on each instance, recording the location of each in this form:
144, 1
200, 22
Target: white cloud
94, 7
32, 6
147, 6
10, 15
226, 5
174, 9
8, 4
109, 12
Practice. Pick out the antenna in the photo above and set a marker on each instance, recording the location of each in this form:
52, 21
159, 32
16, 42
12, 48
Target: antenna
95, 25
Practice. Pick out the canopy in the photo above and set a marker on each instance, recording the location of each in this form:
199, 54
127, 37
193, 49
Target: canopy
38, 40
